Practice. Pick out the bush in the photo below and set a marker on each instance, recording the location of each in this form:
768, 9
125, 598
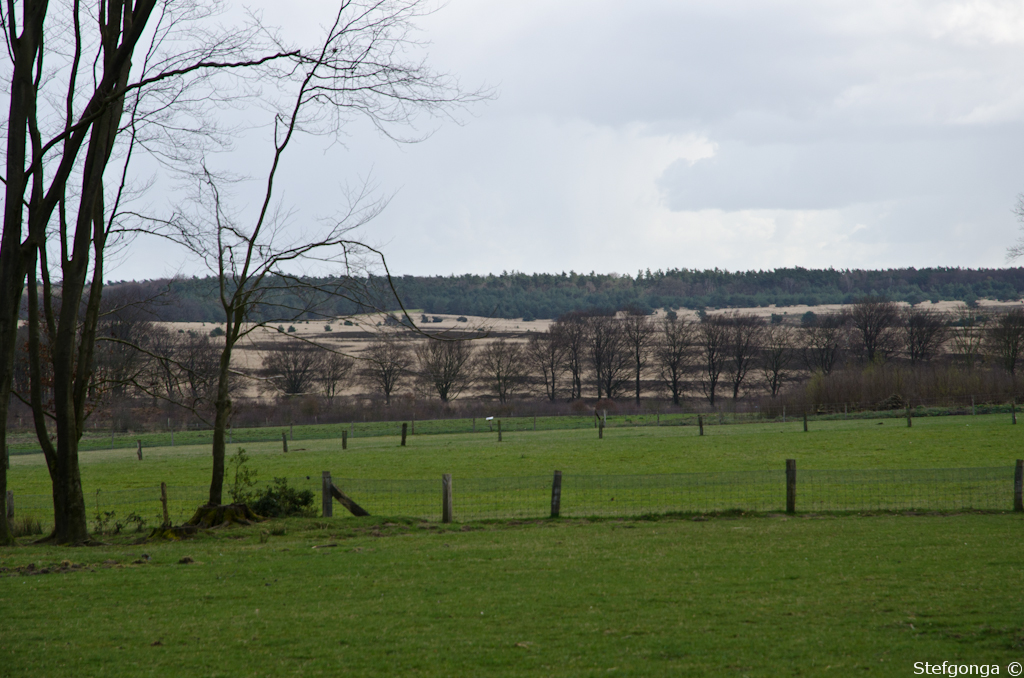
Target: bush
328, 328
349, 323
279, 500
462, 319
217, 332
291, 328
25, 526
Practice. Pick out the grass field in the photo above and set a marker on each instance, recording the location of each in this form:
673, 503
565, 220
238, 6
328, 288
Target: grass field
736, 595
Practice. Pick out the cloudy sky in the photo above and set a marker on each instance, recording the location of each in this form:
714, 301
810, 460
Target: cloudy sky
693, 134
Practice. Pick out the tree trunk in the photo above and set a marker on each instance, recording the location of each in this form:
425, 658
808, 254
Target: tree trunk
220, 423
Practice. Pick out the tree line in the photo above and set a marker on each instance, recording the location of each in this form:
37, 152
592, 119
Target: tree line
530, 296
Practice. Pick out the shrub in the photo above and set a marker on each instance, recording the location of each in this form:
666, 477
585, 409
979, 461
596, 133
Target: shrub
241, 491
280, 328
462, 319
349, 323
279, 500
217, 332
328, 328
291, 328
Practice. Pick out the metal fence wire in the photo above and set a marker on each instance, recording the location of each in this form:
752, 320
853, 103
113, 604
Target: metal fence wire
594, 495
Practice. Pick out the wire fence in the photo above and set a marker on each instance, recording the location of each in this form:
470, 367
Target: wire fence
530, 497
25, 443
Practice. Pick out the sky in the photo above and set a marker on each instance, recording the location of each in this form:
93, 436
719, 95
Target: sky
686, 134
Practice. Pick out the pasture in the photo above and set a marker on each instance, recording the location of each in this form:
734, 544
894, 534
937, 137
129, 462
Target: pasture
724, 594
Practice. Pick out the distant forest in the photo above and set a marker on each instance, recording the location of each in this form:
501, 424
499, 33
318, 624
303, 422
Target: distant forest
547, 295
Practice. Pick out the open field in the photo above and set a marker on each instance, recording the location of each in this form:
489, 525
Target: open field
751, 596
733, 594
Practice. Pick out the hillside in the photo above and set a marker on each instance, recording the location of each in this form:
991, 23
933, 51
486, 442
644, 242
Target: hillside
529, 296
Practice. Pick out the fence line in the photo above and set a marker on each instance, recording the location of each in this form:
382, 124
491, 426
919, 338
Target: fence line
510, 424
575, 496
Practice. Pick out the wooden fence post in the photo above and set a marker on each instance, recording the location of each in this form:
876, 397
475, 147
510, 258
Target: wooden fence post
791, 486
344, 439
446, 498
163, 503
10, 504
700, 423
1013, 410
138, 450
805, 421
284, 441
556, 494
909, 423
1018, 487
600, 430
325, 500
291, 433
404, 430
499, 430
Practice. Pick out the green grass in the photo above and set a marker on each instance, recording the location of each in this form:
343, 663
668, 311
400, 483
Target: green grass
730, 595
939, 442
751, 596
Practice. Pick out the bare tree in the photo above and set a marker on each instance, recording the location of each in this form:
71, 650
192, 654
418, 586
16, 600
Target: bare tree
968, 332
674, 354
547, 352
573, 329
712, 339
776, 355
640, 336
385, 361
501, 365
1006, 339
445, 366
875, 320
823, 341
334, 370
117, 74
608, 353
360, 68
923, 333
744, 343
293, 366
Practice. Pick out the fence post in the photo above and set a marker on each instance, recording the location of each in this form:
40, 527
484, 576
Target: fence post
474, 424
163, 504
499, 430
1013, 410
535, 422
1018, 487
600, 430
284, 441
909, 424
700, 423
446, 498
291, 433
344, 438
791, 486
805, 421
138, 450
10, 504
172, 437
325, 495
556, 494
404, 430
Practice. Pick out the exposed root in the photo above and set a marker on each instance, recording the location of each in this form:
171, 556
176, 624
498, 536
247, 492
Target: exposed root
207, 518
